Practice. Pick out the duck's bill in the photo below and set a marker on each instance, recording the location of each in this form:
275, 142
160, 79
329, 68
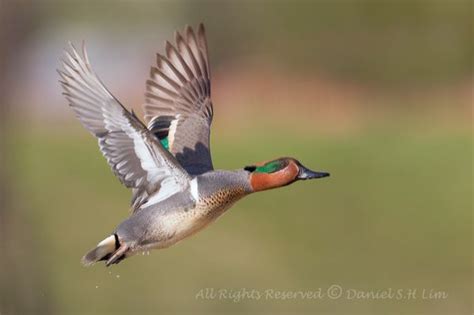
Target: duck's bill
305, 173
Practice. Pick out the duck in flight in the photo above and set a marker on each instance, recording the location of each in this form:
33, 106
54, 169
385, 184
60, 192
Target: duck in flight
167, 163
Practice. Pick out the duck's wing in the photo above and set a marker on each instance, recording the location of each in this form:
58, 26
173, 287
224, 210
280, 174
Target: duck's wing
178, 106
136, 157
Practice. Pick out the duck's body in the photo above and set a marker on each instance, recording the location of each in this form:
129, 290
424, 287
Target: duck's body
164, 223
167, 164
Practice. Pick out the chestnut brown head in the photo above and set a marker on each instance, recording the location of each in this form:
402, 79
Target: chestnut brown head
278, 173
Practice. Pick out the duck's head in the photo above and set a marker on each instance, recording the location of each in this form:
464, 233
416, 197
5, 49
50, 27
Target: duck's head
278, 173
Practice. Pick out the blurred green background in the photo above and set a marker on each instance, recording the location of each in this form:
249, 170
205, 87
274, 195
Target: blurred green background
379, 93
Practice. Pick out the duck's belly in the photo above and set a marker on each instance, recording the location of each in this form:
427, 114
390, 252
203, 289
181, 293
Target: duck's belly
174, 226
180, 225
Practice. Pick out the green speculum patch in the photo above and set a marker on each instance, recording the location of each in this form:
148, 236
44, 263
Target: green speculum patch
164, 143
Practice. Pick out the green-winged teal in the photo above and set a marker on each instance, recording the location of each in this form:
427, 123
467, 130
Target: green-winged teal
167, 164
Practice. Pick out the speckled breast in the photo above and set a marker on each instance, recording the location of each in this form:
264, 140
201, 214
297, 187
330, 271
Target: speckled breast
207, 210
214, 205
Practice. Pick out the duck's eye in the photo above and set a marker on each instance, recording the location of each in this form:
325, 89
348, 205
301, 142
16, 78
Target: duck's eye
250, 168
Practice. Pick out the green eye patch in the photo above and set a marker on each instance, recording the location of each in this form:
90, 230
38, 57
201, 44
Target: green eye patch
272, 167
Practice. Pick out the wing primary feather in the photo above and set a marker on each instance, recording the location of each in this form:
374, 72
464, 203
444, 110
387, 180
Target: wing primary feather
74, 76
193, 50
152, 83
155, 71
160, 58
183, 48
203, 44
171, 52
158, 98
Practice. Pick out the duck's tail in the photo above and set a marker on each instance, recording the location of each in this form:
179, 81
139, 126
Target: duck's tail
104, 250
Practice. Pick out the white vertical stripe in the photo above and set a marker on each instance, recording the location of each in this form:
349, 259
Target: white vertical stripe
194, 189
172, 131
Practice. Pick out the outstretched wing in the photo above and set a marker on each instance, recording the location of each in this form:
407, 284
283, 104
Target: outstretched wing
178, 105
134, 154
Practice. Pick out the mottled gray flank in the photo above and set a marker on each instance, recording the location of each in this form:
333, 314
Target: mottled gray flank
167, 222
147, 225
